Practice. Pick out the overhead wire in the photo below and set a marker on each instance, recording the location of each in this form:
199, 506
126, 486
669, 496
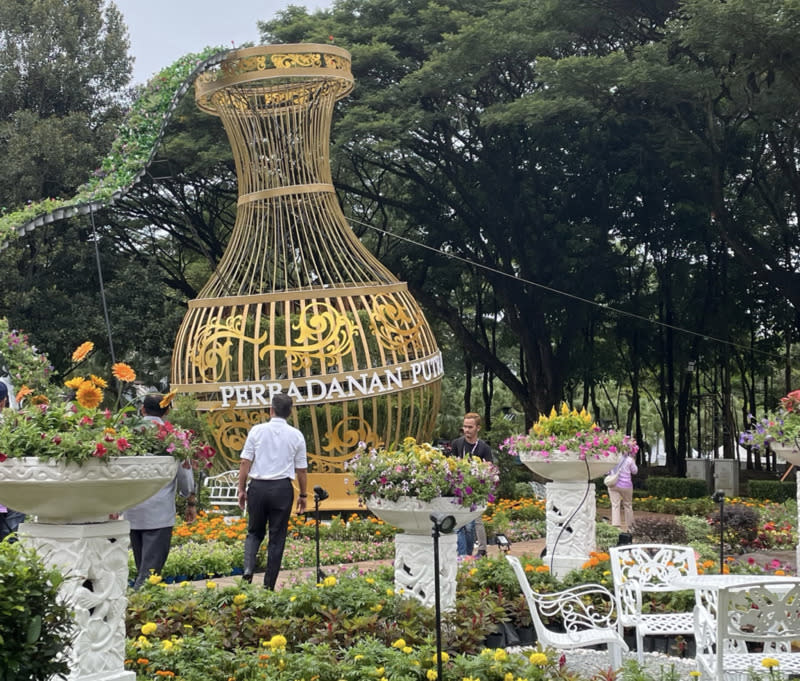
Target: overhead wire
566, 294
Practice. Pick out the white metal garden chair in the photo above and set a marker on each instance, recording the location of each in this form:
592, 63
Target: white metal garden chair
738, 626
583, 624
650, 568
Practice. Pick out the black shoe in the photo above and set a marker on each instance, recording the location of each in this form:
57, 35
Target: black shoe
247, 577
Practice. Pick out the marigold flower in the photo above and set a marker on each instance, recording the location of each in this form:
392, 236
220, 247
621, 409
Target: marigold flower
82, 351
154, 579
123, 372
769, 662
538, 659
167, 399
277, 641
40, 399
330, 580
238, 599
89, 396
23, 392
149, 628
431, 675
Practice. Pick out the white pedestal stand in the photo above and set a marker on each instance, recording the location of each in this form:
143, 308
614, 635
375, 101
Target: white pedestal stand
94, 561
413, 568
413, 550
570, 518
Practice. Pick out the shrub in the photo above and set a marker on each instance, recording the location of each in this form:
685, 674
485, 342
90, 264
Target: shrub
740, 526
772, 490
676, 488
35, 627
697, 529
658, 531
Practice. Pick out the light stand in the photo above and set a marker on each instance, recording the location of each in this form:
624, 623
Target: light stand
442, 524
319, 495
719, 498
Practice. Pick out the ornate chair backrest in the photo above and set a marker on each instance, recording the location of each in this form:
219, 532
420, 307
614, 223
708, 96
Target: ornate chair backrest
766, 612
640, 568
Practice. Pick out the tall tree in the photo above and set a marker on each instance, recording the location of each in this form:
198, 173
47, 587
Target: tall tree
63, 71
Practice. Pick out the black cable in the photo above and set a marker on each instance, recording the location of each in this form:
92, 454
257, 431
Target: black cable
573, 514
102, 287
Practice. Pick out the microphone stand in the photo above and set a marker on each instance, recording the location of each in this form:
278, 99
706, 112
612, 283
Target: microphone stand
319, 495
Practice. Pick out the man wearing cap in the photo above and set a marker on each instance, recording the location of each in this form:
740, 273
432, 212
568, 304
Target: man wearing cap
9, 519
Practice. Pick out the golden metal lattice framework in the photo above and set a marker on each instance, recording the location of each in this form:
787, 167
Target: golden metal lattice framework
297, 303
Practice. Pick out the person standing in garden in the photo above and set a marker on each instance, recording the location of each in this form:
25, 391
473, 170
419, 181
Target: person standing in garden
9, 518
274, 454
152, 520
469, 444
621, 493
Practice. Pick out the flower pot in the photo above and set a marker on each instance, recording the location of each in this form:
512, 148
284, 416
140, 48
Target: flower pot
567, 467
414, 516
789, 453
59, 492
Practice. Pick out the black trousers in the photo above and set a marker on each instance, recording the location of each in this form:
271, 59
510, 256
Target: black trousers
150, 551
269, 502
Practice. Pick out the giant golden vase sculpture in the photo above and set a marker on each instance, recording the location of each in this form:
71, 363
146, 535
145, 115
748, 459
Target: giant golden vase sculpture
297, 303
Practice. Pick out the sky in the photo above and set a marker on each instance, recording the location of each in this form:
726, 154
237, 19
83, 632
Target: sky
161, 31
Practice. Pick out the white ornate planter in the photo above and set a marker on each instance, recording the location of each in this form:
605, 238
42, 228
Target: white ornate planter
72, 504
566, 470
414, 516
570, 509
413, 550
58, 492
791, 454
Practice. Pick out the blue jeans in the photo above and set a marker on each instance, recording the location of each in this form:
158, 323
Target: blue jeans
465, 540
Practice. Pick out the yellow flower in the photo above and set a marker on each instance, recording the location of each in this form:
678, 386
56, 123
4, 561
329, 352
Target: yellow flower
695, 674
399, 643
154, 579
211, 585
277, 641
432, 675
330, 580
408, 650
149, 628
769, 662
82, 351
89, 395
166, 644
123, 372
74, 383
500, 655
238, 599
445, 657
167, 399
508, 677
538, 659
98, 381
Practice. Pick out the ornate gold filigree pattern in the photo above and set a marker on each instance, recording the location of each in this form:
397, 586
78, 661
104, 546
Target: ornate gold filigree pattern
211, 351
326, 334
394, 327
345, 435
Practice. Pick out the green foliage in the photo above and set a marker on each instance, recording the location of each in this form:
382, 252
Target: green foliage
739, 524
676, 488
35, 627
23, 362
697, 529
655, 530
772, 490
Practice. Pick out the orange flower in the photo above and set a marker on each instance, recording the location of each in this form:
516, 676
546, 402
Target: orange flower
24, 391
89, 395
167, 399
98, 381
122, 372
82, 351
74, 383
40, 399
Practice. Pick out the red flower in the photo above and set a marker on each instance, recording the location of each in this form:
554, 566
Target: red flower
100, 450
123, 444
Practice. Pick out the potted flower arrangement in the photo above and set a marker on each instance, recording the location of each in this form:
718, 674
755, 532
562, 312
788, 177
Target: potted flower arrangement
779, 430
417, 476
568, 445
85, 460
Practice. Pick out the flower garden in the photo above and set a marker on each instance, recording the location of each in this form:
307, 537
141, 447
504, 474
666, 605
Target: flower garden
354, 625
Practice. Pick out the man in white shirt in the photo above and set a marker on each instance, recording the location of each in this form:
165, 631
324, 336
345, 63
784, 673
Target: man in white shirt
273, 455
